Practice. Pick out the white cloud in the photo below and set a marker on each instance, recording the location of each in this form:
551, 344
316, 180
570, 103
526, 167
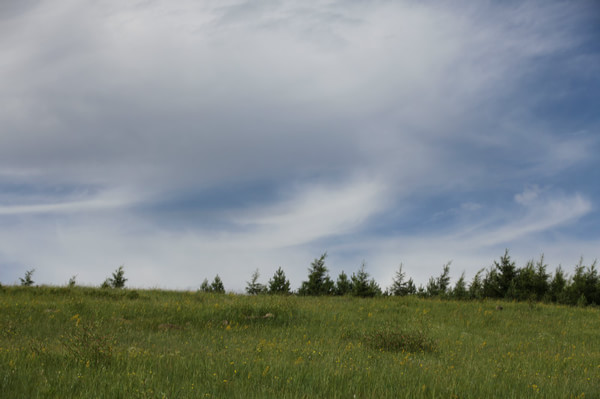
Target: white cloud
103, 201
316, 212
529, 195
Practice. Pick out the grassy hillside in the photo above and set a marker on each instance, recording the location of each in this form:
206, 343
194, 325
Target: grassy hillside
93, 343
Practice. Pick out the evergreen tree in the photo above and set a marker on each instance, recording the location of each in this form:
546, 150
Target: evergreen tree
279, 284
584, 283
476, 286
460, 288
491, 289
558, 286
541, 281
362, 286
253, 287
411, 288
27, 281
506, 273
400, 287
205, 286
318, 282
343, 285
432, 288
118, 278
217, 285
439, 286
523, 284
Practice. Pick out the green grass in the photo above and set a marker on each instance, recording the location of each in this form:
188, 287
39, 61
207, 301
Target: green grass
92, 343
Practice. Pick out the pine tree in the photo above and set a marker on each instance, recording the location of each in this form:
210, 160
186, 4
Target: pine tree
217, 285
541, 280
558, 286
27, 281
411, 288
399, 286
476, 286
362, 286
506, 272
318, 282
253, 287
460, 288
439, 286
205, 286
279, 284
118, 278
343, 285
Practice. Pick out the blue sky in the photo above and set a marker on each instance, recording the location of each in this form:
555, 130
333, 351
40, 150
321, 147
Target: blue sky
183, 139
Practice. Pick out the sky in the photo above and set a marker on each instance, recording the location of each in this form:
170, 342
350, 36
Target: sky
184, 139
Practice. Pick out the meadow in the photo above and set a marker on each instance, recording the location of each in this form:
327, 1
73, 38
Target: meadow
83, 342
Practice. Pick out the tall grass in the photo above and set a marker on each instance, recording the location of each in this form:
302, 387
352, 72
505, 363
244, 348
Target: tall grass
85, 342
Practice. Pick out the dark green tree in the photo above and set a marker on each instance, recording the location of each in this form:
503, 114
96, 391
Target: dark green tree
118, 278
491, 289
439, 286
205, 286
541, 282
343, 285
279, 284
476, 286
253, 287
217, 285
27, 281
411, 288
400, 286
523, 284
318, 282
460, 288
584, 285
506, 272
558, 286
362, 286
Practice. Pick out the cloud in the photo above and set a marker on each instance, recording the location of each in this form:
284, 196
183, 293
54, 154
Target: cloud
314, 213
225, 136
529, 195
103, 201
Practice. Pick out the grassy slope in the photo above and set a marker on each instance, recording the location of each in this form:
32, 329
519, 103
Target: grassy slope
86, 343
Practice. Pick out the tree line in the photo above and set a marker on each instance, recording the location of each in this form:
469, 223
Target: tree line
503, 280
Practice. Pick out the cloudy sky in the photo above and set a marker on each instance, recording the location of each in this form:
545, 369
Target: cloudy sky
187, 138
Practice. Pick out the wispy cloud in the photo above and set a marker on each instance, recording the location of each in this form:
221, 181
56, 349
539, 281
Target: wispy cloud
104, 201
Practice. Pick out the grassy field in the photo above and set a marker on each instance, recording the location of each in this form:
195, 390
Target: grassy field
93, 343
